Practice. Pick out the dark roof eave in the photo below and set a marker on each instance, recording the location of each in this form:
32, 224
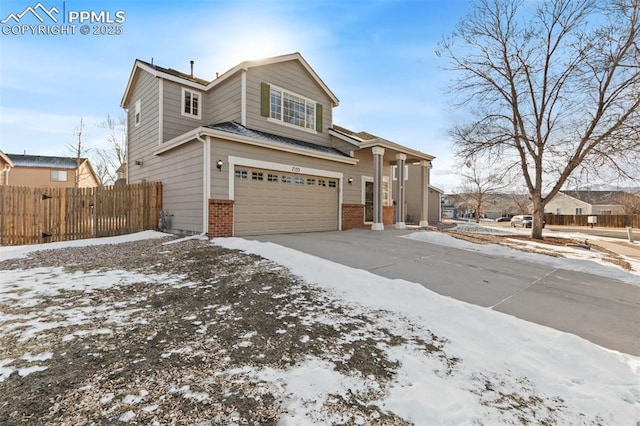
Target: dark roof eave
260, 139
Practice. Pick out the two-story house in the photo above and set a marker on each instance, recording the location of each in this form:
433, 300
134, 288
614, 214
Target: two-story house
255, 151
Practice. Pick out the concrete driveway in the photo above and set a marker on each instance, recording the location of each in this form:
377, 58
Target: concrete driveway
599, 309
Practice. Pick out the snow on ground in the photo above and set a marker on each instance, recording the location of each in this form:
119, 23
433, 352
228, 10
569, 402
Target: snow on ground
13, 252
574, 258
498, 354
497, 368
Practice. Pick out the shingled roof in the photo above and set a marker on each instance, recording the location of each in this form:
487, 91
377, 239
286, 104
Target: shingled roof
23, 160
238, 129
364, 136
597, 197
175, 73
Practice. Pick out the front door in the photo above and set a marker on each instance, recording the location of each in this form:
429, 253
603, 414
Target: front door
368, 201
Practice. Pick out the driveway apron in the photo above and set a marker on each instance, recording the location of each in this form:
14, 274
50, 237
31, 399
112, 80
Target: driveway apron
599, 309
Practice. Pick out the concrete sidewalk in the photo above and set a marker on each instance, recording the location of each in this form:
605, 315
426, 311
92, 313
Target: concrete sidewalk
623, 248
600, 309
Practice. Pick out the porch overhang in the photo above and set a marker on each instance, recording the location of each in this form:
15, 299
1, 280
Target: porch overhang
394, 148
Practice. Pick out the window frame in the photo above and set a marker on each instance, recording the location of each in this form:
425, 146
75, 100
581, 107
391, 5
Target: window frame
56, 179
277, 115
192, 94
137, 113
394, 172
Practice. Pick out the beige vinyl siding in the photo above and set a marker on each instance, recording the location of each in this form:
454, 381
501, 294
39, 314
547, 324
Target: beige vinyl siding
352, 194
5, 169
143, 137
180, 171
174, 123
412, 192
221, 150
293, 77
434, 213
342, 146
567, 205
87, 179
39, 176
224, 101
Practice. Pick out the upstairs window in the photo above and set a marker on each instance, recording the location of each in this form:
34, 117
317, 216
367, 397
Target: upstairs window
191, 103
137, 115
289, 108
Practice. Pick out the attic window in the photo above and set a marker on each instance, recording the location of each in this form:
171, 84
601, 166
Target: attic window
289, 108
191, 103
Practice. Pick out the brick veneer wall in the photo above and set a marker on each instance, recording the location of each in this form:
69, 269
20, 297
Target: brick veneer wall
220, 218
387, 215
352, 216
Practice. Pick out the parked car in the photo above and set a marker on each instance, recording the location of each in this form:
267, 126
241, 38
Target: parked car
503, 219
523, 220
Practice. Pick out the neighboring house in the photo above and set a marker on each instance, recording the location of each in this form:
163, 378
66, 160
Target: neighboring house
46, 171
121, 175
586, 203
5, 166
256, 151
494, 205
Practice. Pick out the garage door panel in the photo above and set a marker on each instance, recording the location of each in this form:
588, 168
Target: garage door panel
278, 206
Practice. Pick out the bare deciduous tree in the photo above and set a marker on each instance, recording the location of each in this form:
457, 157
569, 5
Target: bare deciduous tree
78, 151
521, 201
108, 160
551, 86
479, 179
630, 203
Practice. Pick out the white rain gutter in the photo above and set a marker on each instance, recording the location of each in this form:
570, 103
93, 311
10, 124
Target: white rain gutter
206, 181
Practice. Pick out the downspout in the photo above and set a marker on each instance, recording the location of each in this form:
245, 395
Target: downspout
206, 181
243, 97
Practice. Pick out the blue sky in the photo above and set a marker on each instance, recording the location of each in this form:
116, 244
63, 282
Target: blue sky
376, 56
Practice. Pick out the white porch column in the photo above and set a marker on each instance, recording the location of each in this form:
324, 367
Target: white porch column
401, 211
424, 192
378, 153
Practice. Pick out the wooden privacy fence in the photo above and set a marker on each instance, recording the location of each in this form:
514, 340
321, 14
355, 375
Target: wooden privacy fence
604, 220
41, 215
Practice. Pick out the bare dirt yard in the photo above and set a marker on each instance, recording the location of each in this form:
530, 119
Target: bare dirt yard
156, 349
165, 331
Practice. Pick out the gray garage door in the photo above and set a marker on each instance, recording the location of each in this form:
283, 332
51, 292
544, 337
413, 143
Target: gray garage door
272, 202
